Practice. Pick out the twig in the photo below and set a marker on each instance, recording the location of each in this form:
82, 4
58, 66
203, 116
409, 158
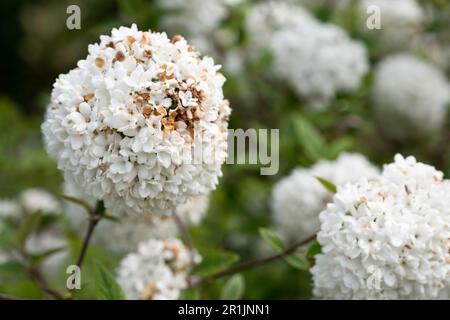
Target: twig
255, 263
36, 275
184, 232
94, 219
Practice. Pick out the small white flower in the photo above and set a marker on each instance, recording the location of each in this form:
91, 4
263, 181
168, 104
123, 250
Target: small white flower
401, 20
387, 238
157, 271
35, 199
124, 124
298, 199
410, 96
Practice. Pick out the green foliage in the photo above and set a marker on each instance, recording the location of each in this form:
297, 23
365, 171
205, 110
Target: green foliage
107, 286
215, 261
234, 288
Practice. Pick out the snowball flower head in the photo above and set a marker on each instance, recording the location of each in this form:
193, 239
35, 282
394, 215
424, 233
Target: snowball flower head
36, 199
298, 199
387, 238
124, 237
400, 20
157, 271
410, 96
140, 123
317, 59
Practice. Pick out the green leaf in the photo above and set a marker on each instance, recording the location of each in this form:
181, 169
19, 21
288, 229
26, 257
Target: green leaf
38, 258
309, 138
30, 223
77, 201
297, 262
234, 288
327, 185
272, 239
11, 267
111, 218
215, 261
190, 294
107, 286
314, 248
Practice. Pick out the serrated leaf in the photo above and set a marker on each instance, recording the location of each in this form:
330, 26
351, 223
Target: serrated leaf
272, 239
11, 267
215, 261
234, 288
106, 285
30, 223
314, 248
297, 262
330, 186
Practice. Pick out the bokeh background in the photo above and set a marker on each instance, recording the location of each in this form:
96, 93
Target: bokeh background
37, 47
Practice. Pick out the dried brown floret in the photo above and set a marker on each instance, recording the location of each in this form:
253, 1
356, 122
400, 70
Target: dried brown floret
99, 62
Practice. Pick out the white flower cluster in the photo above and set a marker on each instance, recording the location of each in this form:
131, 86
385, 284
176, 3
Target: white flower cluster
128, 123
157, 271
317, 59
410, 96
400, 20
196, 18
387, 238
123, 237
298, 199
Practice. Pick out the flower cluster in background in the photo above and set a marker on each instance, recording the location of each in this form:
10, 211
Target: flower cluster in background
143, 83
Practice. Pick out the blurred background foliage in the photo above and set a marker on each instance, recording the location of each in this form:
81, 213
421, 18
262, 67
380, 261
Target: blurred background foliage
37, 46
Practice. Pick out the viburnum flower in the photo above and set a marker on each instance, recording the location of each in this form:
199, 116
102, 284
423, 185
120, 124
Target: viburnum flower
317, 59
157, 271
36, 199
298, 199
123, 237
401, 20
387, 238
128, 124
410, 96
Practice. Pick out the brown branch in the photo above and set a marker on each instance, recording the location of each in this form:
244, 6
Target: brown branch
40, 280
93, 221
255, 263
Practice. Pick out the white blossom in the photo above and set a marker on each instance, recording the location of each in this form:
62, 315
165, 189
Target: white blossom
410, 96
157, 271
387, 238
400, 20
317, 59
125, 123
43, 241
298, 199
36, 199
